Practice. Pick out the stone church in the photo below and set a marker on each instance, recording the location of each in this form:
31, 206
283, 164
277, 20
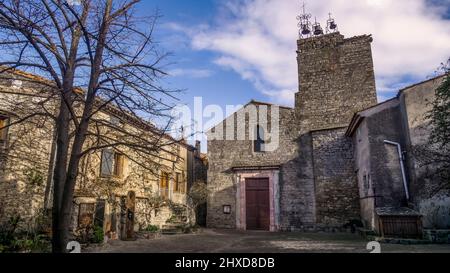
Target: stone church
341, 157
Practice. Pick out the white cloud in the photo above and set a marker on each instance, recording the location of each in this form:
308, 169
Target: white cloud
191, 73
257, 39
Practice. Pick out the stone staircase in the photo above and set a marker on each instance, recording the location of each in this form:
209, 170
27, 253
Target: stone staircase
177, 223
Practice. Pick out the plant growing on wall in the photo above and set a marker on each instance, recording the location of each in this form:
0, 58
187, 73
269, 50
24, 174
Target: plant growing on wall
435, 155
198, 193
440, 134
440, 114
35, 177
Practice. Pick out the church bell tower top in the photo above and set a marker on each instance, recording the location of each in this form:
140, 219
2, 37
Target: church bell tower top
308, 29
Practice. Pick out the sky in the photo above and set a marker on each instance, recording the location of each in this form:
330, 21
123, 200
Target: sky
229, 52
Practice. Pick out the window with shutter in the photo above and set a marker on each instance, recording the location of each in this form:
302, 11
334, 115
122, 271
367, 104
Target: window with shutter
119, 161
164, 185
107, 164
4, 121
177, 186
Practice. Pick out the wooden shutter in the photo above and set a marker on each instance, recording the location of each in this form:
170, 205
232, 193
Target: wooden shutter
164, 184
177, 183
3, 131
107, 163
119, 161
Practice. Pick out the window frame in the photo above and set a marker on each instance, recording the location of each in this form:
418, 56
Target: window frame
259, 142
164, 191
177, 183
118, 159
4, 131
119, 165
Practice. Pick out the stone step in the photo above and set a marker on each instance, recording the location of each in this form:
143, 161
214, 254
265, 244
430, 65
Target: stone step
173, 226
171, 231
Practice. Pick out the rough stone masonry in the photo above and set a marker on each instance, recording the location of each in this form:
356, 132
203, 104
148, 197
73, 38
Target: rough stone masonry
312, 182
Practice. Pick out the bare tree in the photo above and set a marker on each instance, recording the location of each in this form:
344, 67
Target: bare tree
98, 56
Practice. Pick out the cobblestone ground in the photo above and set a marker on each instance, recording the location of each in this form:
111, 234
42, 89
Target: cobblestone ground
227, 241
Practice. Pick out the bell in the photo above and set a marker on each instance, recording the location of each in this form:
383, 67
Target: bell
305, 30
333, 25
318, 30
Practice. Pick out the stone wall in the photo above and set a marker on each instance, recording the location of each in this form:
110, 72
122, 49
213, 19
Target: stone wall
25, 174
296, 187
336, 80
337, 199
24, 154
403, 120
434, 204
386, 176
380, 178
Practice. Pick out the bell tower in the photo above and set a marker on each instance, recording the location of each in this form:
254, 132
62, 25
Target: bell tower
336, 75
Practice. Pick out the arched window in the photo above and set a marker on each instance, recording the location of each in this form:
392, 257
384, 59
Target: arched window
259, 142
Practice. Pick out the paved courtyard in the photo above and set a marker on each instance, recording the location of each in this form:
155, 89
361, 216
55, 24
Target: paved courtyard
230, 241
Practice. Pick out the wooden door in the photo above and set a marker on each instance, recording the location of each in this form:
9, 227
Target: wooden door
128, 206
257, 204
99, 218
131, 205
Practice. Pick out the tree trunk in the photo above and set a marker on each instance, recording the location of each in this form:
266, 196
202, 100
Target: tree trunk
59, 241
59, 176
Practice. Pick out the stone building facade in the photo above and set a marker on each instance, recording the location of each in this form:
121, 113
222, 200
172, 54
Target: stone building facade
312, 182
383, 181
312, 179
111, 182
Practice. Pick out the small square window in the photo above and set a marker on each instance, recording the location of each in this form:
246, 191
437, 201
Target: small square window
227, 209
115, 121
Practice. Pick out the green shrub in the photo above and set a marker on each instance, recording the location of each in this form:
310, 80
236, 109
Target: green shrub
99, 235
35, 177
172, 219
152, 229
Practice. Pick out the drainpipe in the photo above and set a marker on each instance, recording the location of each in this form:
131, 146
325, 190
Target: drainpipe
399, 148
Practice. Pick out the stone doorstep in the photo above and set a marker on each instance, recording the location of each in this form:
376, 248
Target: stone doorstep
400, 241
149, 235
439, 236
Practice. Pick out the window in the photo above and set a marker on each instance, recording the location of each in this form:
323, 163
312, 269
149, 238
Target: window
258, 145
227, 209
86, 215
164, 185
112, 163
119, 162
4, 121
177, 186
180, 183
115, 121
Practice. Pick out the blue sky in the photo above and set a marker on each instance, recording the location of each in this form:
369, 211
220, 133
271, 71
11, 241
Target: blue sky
229, 52
194, 70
